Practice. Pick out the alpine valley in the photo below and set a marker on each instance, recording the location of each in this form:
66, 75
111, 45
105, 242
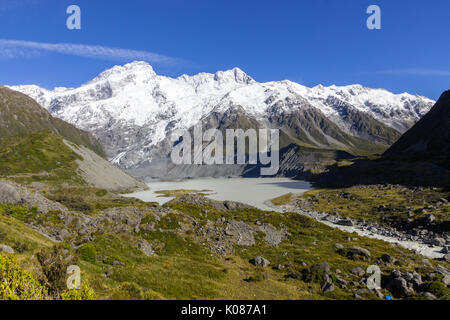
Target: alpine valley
132, 111
378, 164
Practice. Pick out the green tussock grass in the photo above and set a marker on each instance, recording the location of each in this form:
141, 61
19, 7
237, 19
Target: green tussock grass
284, 199
22, 115
364, 203
38, 156
185, 268
91, 200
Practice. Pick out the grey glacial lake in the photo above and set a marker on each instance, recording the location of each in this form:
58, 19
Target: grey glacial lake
252, 191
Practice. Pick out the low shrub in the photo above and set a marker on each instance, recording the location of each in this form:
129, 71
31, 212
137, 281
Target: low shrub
84, 293
437, 288
101, 193
73, 203
88, 252
20, 247
54, 263
16, 283
132, 290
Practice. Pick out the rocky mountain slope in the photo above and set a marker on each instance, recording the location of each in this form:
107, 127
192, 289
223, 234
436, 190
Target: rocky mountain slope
420, 158
132, 111
430, 137
98, 172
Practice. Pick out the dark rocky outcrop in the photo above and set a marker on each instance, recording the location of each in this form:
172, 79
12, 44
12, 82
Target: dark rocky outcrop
428, 138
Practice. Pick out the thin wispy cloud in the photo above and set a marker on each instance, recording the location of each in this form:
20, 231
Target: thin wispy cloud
18, 49
414, 72
7, 5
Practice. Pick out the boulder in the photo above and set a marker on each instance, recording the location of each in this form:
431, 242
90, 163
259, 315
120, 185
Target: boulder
427, 262
439, 241
359, 253
387, 258
273, 236
345, 222
318, 272
11, 192
446, 280
325, 267
328, 287
429, 296
63, 234
358, 272
241, 232
230, 205
414, 280
378, 293
403, 284
8, 194
260, 262
427, 219
442, 270
146, 248
431, 276
328, 218
400, 287
6, 249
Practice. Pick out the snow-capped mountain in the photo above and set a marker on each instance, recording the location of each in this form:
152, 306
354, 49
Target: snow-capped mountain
131, 109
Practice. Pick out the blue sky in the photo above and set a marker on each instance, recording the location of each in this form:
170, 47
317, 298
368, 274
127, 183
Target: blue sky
310, 42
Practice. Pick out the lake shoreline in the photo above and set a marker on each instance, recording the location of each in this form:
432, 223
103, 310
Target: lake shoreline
252, 191
263, 191
424, 249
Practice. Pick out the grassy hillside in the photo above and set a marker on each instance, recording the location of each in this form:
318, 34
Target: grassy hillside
49, 159
20, 114
185, 265
38, 156
384, 204
190, 248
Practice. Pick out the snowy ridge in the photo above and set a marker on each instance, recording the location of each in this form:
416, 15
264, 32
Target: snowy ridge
130, 108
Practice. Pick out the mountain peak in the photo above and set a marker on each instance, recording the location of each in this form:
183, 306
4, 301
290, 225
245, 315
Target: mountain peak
128, 99
234, 74
138, 65
135, 67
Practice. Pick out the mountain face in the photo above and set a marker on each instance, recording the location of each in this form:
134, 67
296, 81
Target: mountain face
20, 114
430, 137
132, 111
